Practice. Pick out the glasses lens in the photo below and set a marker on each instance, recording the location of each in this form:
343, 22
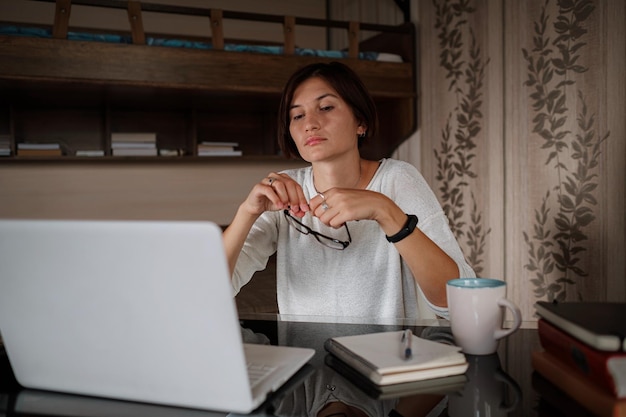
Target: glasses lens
331, 243
321, 238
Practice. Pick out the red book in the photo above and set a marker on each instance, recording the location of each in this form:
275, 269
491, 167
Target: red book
577, 387
598, 324
606, 369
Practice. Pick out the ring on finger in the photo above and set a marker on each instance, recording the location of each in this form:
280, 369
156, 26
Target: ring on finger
321, 195
270, 180
325, 206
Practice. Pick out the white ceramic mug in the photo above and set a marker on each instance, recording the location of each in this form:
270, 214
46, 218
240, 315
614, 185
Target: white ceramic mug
476, 308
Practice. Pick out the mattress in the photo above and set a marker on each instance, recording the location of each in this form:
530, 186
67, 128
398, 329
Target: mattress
13, 30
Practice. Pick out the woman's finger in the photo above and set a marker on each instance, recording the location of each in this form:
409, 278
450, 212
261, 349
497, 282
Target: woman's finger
289, 192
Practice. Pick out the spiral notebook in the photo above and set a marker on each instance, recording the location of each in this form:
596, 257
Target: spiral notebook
380, 357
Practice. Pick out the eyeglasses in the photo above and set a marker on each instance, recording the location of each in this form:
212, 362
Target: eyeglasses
321, 238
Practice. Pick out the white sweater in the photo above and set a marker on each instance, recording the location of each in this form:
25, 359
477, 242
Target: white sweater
368, 278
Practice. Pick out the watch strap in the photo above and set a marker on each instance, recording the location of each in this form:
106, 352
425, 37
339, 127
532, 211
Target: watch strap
407, 229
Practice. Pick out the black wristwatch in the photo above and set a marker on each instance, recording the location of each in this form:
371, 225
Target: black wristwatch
407, 229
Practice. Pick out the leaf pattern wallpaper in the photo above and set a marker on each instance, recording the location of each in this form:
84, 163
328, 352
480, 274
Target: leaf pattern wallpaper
464, 66
558, 239
522, 136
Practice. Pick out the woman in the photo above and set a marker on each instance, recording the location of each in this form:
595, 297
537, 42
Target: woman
353, 237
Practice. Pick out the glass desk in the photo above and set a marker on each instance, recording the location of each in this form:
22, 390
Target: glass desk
502, 384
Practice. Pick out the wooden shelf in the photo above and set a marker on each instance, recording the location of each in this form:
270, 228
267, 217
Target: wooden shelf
83, 114
77, 93
142, 159
226, 72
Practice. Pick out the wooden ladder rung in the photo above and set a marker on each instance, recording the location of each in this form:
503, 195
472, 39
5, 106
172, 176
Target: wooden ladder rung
289, 31
61, 19
136, 22
353, 39
217, 29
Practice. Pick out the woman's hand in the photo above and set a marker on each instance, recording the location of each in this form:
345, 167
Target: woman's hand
276, 192
431, 266
336, 206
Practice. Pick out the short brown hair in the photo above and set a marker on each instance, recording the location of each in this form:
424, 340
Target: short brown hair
345, 82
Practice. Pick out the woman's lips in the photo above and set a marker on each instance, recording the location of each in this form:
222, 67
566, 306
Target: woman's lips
313, 140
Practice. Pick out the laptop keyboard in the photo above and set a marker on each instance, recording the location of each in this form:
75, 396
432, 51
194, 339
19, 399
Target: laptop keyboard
257, 372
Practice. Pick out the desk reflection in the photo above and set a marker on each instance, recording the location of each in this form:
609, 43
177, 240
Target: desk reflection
486, 389
57, 404
494, 385
327, 392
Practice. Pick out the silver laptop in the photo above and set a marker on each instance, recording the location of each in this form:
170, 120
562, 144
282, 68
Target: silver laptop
133, 310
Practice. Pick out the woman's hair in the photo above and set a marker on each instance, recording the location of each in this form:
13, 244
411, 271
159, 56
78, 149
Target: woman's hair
345, 82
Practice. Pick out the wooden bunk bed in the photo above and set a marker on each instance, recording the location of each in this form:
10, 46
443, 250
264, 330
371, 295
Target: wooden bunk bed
60, 85
65, 87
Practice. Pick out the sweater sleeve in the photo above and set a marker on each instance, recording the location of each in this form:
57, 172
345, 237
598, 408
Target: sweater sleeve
408, 188
259, 246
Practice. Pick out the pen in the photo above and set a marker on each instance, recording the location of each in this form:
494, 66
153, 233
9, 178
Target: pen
407, 336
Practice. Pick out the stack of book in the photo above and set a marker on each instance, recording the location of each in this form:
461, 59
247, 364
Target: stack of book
171, 152
133, 144
39, 149
90, 152
218, 149
584, 353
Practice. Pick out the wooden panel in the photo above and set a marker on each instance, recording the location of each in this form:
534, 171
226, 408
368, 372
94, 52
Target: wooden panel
125, 190
177, 67
614, 189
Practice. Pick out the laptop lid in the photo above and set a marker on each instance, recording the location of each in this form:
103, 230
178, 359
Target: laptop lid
133, 310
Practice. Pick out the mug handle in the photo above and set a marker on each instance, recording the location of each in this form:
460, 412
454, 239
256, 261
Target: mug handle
515, 389
517, 319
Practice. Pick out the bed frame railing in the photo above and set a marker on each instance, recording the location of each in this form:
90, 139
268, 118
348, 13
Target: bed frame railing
215, 19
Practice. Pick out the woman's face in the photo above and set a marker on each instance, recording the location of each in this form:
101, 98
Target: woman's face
322, 124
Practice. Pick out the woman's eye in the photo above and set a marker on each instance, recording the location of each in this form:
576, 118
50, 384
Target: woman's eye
296, 117
326, 108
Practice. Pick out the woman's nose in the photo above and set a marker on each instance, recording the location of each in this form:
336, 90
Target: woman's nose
311, 123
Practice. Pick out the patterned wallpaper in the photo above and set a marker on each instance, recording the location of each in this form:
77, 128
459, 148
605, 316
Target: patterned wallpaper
522, 133
558, 238
463, 64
